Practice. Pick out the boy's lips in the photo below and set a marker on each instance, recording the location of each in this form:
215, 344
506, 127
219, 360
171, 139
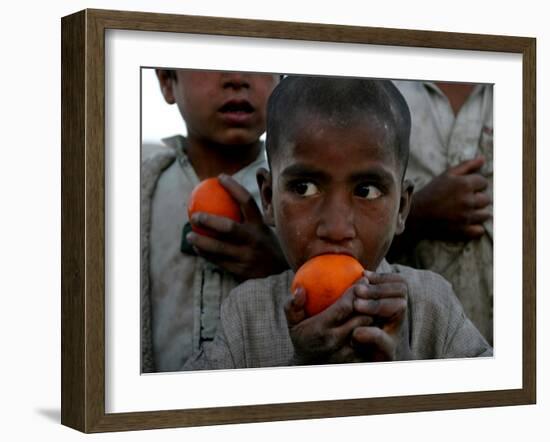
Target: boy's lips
236, 111
334, 251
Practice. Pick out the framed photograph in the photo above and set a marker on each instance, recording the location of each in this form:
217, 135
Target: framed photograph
106, 58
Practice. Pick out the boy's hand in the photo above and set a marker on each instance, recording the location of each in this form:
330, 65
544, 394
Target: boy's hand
453, 205
249, 249
326, 337
384, 299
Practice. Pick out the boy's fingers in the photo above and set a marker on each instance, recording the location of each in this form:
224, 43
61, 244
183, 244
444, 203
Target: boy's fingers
221, 225
345, 330
360, 288
384, 278
248, 205
339, 311
468, 166
339, 343
295, 307
207, 245
374, 342
382, 285
384, 290
476, 182
479, 216
386, 308
481, 200
474, 231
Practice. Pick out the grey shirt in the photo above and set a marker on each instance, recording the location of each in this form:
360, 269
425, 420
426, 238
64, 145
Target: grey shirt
253, 330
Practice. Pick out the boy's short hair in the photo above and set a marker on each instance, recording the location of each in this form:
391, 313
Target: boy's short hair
344, 102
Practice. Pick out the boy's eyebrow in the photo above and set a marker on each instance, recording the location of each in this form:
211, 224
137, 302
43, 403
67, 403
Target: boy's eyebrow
303, 170
374, 173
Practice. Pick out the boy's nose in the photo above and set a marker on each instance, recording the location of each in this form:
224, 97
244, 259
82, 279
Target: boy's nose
235, 80
336, 222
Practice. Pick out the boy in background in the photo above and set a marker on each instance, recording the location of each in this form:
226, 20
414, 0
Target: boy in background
338, 151
450, 225
185, 275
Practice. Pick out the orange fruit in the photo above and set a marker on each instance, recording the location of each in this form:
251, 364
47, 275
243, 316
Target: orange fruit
211, 197
325, 278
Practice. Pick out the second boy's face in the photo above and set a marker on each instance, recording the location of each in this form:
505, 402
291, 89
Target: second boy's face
336, 190
228, 108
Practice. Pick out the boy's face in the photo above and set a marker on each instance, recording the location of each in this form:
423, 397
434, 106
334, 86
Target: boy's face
336, 190
227, 108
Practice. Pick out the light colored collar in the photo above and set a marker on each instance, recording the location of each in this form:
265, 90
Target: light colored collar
384, 267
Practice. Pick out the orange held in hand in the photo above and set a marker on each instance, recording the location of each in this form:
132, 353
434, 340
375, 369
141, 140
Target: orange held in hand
325, 278
211, 197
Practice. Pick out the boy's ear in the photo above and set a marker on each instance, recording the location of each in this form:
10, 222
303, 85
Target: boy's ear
167, 79
404, 205
263, 177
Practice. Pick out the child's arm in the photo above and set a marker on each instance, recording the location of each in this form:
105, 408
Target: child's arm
249, 249
325, 337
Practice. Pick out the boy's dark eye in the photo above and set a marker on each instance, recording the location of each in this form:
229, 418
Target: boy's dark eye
368, 191
304, 188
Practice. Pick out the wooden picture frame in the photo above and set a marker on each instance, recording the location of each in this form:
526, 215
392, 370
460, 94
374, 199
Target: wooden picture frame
83, 220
